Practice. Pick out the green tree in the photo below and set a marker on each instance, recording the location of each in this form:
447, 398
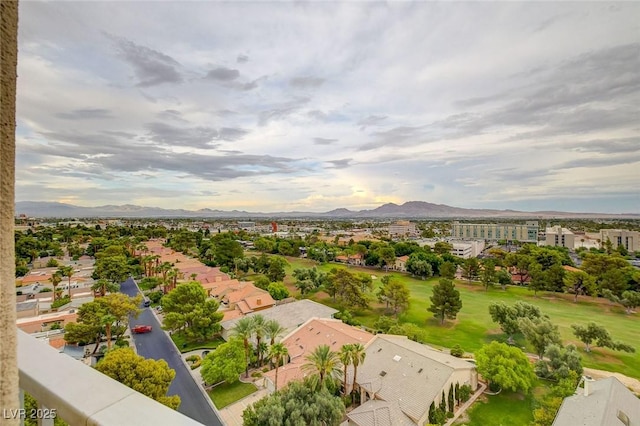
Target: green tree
345, 358
278, 353
558, 362
297, 404
55, 280
593, 332
445, 301
629, 300
113, 268
507, 316
540, 332
448, 270
488, 275
188, 310
278, 291
225, 363
505, 366
67, 271
103, 286
259, 328
358, 355
264, 245
442, 247
276, 271
470, 268
273, 330
147, 376
323, 363
579, 282
395, 293
244, 330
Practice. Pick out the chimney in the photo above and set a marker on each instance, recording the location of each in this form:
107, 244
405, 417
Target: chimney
259, 302
587, 385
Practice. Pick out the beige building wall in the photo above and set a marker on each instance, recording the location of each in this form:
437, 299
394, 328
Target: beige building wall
628, 239
8, 341
560, 237
494, 232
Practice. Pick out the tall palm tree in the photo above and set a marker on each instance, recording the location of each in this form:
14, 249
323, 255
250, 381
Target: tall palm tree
104, 286
278, 352
259, 329
345, 356
358, 355
244, 330
324, 363
67, 271
273, 329
55, 280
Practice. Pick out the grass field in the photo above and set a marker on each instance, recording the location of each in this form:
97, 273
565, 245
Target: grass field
474, 327
184, 346
226, 394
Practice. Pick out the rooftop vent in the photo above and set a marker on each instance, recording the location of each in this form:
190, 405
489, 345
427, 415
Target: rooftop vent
397, 358
379, 349
420, 371
383, 373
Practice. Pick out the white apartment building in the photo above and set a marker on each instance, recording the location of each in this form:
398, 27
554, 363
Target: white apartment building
559, 236
494, 232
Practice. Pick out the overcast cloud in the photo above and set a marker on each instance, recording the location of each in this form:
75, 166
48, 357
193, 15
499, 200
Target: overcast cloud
271, 106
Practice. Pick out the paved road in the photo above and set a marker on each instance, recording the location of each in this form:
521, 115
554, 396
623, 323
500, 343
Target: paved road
158, 345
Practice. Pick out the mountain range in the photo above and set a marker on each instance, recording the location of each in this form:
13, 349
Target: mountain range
410, 209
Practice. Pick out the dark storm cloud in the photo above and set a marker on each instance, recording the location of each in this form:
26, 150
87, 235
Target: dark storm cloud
86, 114
281, 111
339, 164
102, 154
306, 82
223, 74
324, 141
150, 66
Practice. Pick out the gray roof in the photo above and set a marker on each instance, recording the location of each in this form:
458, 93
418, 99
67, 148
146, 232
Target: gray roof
26, 306
379, 413
608, 402
289, 315
413, 374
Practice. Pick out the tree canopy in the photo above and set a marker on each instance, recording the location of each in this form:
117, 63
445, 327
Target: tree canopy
296, 405
505, 366
187, 309
225, 363
148, 376
594, 333
445, 301
507, 316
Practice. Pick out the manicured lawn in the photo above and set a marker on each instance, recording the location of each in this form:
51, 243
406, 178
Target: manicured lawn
474, 327
505, 409
184, 346
225, 394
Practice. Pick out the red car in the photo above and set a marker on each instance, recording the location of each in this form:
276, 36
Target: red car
141, 329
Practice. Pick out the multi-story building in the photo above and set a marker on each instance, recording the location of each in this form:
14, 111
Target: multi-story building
559, 236
494, 232
621, 237
402, 228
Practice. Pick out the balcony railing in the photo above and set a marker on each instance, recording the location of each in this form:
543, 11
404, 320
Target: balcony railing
81, 395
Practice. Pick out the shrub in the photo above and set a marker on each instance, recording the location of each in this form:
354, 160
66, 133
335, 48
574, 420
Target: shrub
52, 263
256, 374
457, 351
465, 393
60, 302
155, 296
192, 358
45, 290
122, 343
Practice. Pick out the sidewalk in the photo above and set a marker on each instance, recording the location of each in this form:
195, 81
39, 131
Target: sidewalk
232, 414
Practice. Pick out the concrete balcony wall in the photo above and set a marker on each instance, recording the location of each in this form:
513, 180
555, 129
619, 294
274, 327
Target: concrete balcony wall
82, 395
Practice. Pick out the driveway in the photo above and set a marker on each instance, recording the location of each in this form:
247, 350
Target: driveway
158, 345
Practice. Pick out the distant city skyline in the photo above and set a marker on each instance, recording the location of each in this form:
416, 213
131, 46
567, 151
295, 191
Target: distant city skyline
278, 106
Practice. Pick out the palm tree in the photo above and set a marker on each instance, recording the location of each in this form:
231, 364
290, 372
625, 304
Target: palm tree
104, 286
278, 352
358, 355
273, 329
244, 330
345, 358
67, 271
259, 329
322, 362
55, 280
107, 320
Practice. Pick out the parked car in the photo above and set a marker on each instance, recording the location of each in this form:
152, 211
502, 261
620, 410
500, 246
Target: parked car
138, 329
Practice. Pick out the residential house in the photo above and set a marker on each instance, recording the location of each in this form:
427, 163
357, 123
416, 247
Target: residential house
605, 402
401, 263
289, 315
400, 379
305, 339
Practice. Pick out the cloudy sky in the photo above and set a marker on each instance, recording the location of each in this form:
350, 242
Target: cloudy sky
310, 106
